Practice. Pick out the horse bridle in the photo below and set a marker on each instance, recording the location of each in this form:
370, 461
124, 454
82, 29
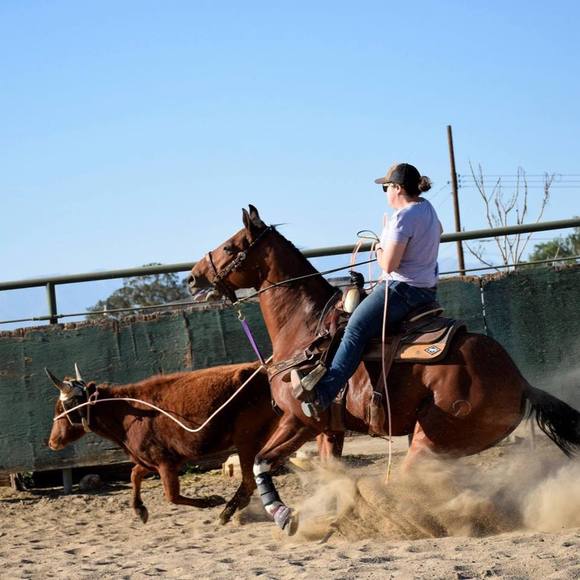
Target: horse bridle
219, 281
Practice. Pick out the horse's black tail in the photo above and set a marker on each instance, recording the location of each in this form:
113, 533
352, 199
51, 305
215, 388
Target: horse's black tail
559, 421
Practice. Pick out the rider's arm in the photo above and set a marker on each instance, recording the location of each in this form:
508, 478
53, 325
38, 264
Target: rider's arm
389, 255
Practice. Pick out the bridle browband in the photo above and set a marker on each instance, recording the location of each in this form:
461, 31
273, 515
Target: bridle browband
219, 281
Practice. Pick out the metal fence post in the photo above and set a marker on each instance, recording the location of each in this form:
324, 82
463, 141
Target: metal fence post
52, 311
51, 297
67, 480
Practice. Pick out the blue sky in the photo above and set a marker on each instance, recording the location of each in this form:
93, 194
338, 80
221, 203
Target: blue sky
134, 132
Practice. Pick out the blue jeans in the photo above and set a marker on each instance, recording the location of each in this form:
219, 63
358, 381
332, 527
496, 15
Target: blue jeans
366, 322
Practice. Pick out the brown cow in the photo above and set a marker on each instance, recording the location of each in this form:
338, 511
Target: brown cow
156, 443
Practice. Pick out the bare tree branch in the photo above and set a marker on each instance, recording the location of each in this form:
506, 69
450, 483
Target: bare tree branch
478, 254
502, 211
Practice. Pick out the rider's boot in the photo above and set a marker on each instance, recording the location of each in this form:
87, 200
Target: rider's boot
303, 383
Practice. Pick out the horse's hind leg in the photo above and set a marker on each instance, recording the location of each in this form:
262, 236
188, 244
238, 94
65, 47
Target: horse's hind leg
170, 479
421, 448
137, 474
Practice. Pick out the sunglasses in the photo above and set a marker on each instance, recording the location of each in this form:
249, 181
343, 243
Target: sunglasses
386, 186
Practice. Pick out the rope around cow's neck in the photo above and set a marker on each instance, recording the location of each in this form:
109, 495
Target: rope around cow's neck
185, 427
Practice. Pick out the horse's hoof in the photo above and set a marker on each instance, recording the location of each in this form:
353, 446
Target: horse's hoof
225, 517
292, 526
287, 520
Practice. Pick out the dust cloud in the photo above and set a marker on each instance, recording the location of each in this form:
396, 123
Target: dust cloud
517, 488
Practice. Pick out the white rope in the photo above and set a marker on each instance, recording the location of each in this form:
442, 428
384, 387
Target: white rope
188, 429
387, 398
373, 250
383, 341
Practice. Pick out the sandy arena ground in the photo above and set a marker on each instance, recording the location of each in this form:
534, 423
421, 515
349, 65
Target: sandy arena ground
511, 512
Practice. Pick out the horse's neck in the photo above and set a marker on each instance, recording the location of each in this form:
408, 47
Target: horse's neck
292, 312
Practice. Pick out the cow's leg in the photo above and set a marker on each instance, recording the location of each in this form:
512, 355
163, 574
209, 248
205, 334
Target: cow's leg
290, 435
243, 494
170, 479
137, 474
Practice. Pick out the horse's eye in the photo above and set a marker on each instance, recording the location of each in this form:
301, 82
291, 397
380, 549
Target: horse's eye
229, 250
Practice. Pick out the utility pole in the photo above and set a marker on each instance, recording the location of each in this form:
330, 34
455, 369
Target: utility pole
460, 260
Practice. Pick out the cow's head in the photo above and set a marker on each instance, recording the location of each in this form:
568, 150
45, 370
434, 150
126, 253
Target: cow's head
68, 427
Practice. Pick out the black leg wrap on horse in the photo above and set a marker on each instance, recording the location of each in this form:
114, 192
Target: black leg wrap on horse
266, 489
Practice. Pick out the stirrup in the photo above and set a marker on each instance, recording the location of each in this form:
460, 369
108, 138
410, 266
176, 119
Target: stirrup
311, 410
303, 382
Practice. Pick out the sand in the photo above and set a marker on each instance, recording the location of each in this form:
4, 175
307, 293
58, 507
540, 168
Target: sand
511, 512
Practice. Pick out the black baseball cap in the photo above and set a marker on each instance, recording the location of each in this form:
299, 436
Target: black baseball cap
403, 174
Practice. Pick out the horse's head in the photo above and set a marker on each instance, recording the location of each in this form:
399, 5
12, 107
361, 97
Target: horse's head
234, 264
69, 427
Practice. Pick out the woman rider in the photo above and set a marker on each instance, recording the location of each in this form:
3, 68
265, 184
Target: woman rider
407, 254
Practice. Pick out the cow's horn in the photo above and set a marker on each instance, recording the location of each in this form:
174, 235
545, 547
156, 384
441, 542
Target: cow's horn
60, 385
78, 373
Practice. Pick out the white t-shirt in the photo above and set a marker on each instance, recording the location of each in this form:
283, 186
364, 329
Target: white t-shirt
418, 226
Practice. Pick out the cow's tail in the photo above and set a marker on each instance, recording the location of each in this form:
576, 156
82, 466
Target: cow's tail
559, 421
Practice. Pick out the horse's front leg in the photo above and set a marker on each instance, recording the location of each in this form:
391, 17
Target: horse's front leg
330, 445
290, 435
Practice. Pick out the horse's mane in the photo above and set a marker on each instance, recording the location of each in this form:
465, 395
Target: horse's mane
300, 255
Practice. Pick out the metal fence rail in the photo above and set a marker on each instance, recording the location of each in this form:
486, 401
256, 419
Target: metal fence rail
50, 282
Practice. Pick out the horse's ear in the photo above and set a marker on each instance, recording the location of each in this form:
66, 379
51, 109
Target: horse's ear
252, 220
246, 219
254, 212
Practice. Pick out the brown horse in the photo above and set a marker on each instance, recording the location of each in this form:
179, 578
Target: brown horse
155, 443
463, 405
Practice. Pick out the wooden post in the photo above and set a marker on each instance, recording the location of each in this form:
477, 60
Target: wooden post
460, 260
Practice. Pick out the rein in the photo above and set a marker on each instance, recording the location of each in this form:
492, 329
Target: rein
283, 282
220, 284
96, 400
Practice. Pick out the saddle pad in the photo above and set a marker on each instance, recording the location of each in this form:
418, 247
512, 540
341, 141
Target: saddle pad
425, 331
427, 347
